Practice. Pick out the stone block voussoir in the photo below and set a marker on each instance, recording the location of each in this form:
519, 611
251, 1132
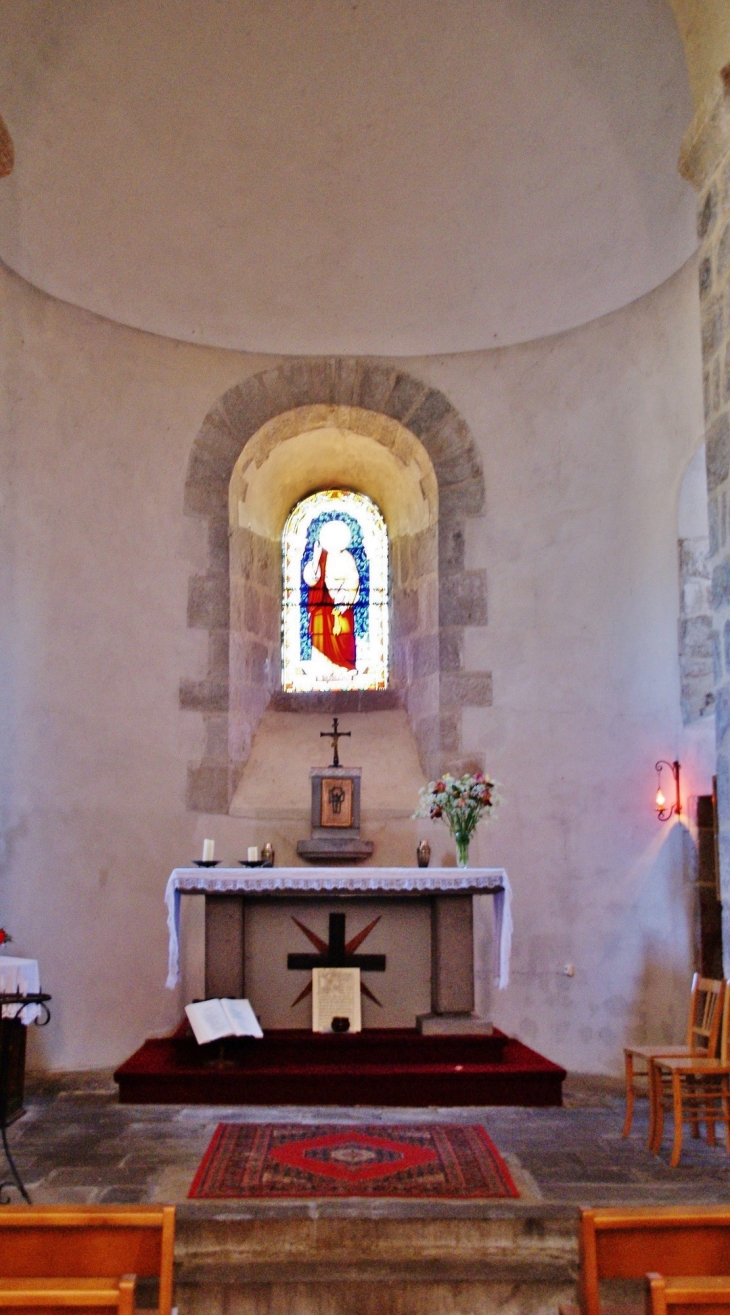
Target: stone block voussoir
375, 384
345, 381
712, 327
247, 407
464, 499
705, 276
707, 213
718, 452
451, 545
430, 414
404, 397
723, 253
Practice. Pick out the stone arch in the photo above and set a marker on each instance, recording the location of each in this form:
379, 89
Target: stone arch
303, 395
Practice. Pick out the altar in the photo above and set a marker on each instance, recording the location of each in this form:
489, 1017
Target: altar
449, 893
448, 1057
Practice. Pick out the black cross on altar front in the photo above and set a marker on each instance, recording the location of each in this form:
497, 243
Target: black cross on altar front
337, 953
335, 735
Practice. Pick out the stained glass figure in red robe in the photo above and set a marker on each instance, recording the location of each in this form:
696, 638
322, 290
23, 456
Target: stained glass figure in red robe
333, 586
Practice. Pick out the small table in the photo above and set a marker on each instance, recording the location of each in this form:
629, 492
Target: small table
17, 1010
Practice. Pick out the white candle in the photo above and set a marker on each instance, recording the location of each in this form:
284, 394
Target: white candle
208, 850
253, 853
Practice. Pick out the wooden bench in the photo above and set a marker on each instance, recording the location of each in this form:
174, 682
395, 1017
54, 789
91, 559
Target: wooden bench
630, 1243
73, 1242
61, 1296
701, 1295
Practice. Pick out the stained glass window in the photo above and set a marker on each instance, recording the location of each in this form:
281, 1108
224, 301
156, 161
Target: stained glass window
335, 596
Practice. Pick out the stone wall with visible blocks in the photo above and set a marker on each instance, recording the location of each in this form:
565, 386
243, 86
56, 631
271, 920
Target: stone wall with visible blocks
705, 160
696, 667
435, 598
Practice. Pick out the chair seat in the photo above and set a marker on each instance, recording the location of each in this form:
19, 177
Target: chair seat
653, 1052
699, 1288
696, 1064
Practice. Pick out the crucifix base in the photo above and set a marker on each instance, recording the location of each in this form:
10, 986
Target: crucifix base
335, 834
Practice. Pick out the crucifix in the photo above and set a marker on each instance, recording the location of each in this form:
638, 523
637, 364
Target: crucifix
334, 735
336, 952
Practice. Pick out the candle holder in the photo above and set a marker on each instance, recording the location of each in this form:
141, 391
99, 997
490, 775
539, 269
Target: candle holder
206, 862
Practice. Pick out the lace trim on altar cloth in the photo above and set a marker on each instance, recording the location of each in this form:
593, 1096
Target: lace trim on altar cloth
375, 880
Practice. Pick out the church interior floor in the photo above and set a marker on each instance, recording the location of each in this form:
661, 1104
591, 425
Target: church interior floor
75, 1143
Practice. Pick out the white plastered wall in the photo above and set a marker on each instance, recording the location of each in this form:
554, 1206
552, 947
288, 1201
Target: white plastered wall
584, 440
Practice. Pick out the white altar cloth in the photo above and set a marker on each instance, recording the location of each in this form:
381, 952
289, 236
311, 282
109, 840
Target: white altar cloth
365, 881
21, 977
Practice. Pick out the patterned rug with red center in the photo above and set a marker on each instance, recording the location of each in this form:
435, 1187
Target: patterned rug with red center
455, 1161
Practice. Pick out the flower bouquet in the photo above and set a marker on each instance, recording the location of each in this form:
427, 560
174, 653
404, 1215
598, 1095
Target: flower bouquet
462, 804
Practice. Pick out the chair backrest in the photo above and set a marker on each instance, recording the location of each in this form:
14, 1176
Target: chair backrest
59, 1296
627, 1244
708, 996
58, 1241
687, 1296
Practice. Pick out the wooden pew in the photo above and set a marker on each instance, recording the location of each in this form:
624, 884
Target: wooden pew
701, 1295
629, 1243
72, 1242
62, 1296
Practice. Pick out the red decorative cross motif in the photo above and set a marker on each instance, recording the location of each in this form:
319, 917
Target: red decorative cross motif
353, 1156
337, 953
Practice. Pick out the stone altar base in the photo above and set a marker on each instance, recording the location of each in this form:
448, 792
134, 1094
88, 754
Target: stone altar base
386, 1067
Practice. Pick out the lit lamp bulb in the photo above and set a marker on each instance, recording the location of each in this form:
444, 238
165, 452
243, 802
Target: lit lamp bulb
665, 811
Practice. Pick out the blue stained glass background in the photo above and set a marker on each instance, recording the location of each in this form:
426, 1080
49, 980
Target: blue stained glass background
357, 548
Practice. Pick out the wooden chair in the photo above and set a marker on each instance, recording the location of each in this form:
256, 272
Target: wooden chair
627, 1244
72, 1242
704, 1009
687, 1296
696, 1088
61, 1296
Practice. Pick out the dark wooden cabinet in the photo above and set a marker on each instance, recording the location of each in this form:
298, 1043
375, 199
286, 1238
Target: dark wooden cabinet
12, 1035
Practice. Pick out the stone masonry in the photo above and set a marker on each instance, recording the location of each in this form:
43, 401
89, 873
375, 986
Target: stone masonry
696, 667
429, 573
705, 161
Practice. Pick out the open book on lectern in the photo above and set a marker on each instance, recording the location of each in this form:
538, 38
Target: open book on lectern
211, 1020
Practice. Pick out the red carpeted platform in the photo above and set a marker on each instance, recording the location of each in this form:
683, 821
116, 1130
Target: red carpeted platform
375, 1067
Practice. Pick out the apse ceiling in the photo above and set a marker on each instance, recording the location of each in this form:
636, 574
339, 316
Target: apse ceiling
345, 176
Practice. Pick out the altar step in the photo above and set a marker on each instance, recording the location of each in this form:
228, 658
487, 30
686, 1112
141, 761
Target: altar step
396, 1067
374, 1258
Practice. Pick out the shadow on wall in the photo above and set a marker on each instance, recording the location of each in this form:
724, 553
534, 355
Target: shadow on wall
665, 919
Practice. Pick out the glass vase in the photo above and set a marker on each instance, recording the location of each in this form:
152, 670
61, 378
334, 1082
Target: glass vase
462, 848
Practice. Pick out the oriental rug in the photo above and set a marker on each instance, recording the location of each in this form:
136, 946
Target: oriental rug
275, 1160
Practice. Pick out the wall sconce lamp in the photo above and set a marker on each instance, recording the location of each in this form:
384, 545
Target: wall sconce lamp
664, 811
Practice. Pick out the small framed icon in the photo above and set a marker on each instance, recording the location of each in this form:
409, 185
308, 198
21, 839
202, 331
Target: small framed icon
336, 801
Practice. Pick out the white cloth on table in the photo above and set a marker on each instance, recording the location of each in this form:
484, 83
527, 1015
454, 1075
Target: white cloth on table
260, 881
20, 977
